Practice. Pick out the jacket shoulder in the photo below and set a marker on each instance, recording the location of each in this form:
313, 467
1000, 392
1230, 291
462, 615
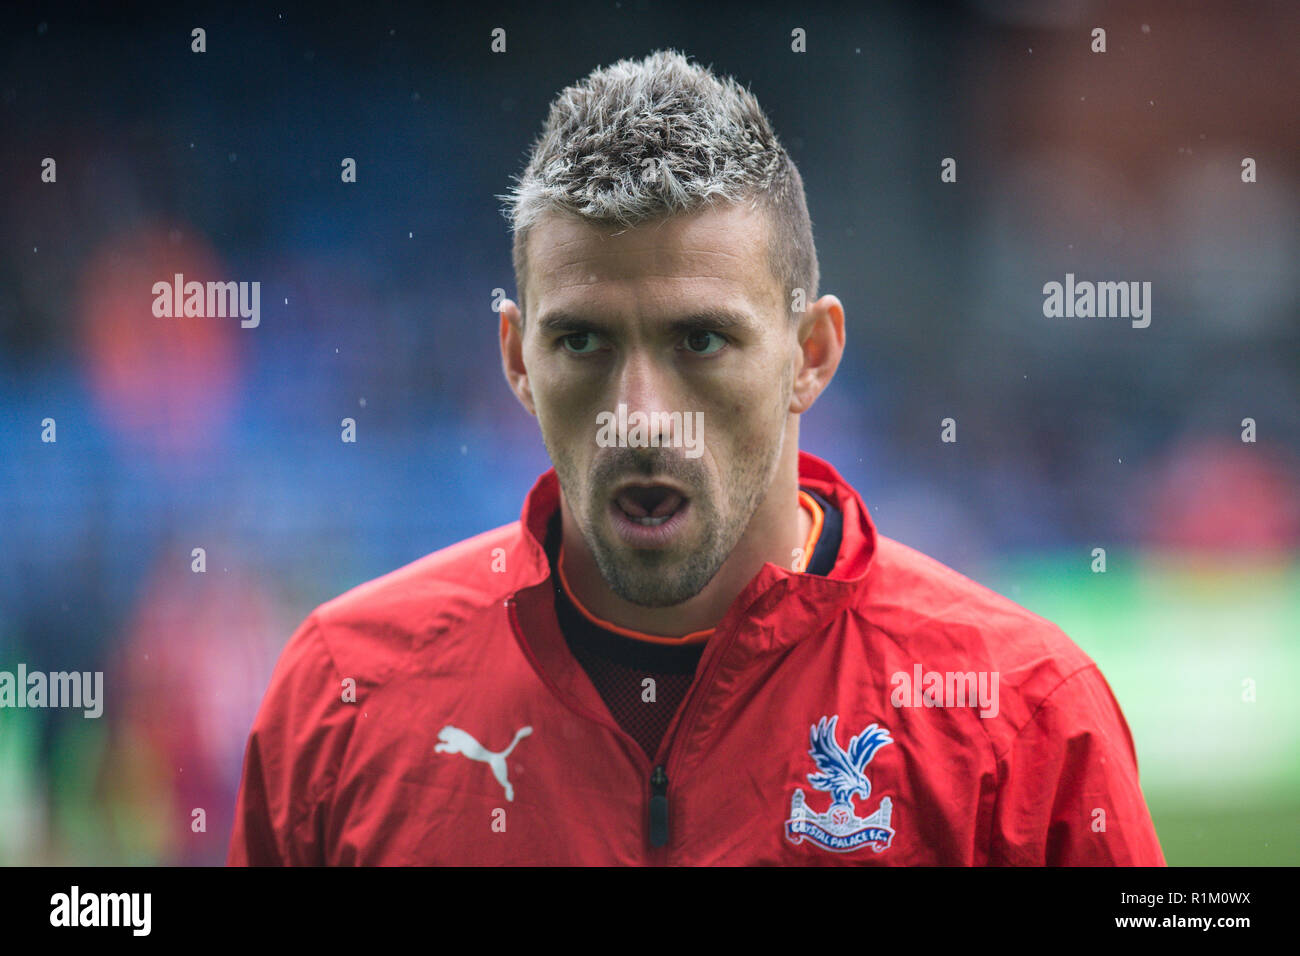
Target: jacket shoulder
370, 629
948, 622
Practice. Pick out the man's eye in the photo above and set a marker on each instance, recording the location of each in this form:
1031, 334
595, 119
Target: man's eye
698, 342
580, 343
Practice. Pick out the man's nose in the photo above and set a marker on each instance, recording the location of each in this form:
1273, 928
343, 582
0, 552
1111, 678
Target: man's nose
644, 385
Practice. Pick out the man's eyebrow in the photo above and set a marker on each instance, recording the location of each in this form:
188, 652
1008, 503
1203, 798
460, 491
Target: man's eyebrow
700, 320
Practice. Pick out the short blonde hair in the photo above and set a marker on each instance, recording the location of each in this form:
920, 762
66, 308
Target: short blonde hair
643, 139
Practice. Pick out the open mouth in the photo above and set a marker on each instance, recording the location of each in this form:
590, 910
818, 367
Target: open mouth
649, 516
649, 505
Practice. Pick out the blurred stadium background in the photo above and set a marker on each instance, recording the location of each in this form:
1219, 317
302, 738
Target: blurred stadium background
375, 304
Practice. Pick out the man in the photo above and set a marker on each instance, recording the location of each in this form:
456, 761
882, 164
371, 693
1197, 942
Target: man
693, 647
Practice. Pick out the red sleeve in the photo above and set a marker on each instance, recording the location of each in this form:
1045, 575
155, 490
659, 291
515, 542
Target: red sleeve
291, 761
1069, 794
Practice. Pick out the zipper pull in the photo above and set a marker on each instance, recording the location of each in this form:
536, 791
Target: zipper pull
659, 807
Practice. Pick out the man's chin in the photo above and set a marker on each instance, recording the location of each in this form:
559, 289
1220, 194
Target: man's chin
654, 597
653, 579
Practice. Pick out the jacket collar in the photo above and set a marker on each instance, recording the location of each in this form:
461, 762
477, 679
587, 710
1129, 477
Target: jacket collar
782, 606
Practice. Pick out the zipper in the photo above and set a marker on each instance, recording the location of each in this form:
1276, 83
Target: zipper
657, 772
660, 821
660, 818
659, 807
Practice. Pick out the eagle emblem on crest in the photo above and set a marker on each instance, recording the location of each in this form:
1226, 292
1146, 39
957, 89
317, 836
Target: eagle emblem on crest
842, 774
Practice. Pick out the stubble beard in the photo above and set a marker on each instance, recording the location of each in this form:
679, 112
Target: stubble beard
655, 578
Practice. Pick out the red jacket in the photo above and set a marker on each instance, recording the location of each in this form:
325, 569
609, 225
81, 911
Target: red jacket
474, 737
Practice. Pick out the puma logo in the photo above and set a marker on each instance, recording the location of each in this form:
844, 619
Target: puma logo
456, 741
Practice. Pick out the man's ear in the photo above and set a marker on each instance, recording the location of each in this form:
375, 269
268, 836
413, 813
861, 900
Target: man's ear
512, 355
821, 346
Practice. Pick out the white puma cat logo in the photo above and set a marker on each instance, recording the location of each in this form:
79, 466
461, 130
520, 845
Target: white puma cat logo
456, 741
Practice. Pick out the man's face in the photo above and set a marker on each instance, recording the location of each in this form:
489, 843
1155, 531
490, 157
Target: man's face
678, 315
